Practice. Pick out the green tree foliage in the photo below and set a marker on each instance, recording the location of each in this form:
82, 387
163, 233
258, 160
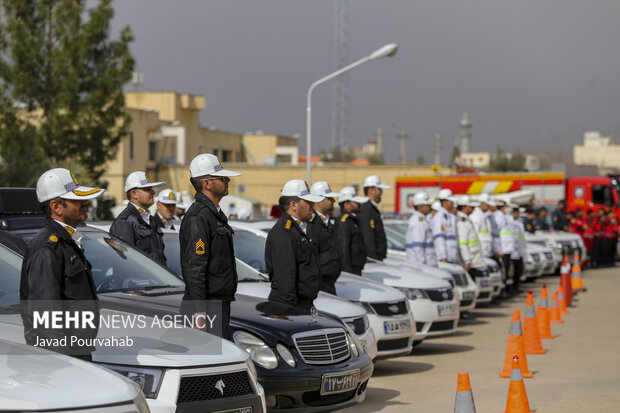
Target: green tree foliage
504, 162
61, 79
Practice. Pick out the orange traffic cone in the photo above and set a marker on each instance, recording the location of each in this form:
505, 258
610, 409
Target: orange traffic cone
554, 312
565, 281
517, 397
576, 280
531, 337
562, 301
464, 402
542, 314
515, 346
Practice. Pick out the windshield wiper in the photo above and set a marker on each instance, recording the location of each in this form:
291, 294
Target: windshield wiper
156, 287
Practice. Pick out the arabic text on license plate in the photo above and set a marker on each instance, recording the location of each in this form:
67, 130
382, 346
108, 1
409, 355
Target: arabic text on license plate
341, 382
397, 326
446, 309
238, 410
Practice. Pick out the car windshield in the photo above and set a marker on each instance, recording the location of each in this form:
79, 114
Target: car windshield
120, 267
173, 260
11, 265
250, 248
401, 228
395, 240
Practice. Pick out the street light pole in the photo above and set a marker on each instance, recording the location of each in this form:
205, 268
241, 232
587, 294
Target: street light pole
388, 50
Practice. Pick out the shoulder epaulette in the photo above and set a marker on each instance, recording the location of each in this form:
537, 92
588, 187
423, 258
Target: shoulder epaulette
312, 217
420, 219
53, 240
344, 217
288, 224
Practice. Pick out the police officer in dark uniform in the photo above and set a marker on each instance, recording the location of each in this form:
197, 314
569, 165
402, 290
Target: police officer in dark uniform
558, 217
135, 225
55, 272
323, 230
350, 238
370, 219
291, 254
207, 254
541, 223
529, 223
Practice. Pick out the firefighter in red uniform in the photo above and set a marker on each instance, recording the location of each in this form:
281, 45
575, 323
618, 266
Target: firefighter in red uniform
611, 239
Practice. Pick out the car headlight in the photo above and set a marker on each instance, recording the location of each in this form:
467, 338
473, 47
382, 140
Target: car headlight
286, 354
147, 379
259, 351
414, 293
350, 321
252, 368
354, 345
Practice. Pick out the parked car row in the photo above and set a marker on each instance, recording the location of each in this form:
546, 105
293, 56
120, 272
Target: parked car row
278, 359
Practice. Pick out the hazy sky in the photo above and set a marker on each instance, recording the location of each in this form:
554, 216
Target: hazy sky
531, 74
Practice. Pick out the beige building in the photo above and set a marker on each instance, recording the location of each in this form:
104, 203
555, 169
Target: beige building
597, 151
165, 135
264, 183
479, 160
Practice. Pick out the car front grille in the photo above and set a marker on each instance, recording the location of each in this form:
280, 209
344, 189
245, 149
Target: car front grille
459, 279
484, 295
466, 303
549, 255
441, 326
216, 386
442, 294
396, 344
388, 309
327, 346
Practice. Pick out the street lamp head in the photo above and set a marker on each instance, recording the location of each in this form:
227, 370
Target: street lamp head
388, 50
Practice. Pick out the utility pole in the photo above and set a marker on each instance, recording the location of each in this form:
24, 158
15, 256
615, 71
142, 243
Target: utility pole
340, 89
379, 141
403, 154
437, 146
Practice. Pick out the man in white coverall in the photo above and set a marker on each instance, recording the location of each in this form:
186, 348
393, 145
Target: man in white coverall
483, 226
470, 247
420, 247
444, 229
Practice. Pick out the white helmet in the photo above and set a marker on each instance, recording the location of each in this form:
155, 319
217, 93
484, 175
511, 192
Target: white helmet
321, 188
61, 183
444, 194
208, 164
421, 198
348, 194
167, 196
373, 180
139, 179
298, 188
436, 206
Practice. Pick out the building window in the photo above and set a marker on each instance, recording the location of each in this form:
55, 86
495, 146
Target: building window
153, 151
131, 143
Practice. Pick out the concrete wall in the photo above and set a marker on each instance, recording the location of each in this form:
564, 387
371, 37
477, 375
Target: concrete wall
602, 157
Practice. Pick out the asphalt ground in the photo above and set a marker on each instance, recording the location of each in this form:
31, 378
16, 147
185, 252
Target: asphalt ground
579, 373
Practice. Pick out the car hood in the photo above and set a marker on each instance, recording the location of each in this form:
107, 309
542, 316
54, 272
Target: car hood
269, 320
324, 302
157, 347
399, 277
557, 235
538, 248
35, 379
423, 268
355, 288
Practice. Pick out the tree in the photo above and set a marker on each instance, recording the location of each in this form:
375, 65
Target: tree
504, 162
61, 81
421, 160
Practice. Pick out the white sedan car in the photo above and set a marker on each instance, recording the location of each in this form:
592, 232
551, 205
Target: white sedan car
387, 309
435, 314
34, 379
468, 291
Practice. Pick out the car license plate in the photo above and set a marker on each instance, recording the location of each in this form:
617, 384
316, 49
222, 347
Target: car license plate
397, 326
446, 309
484, 283
340, 382
238, 410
